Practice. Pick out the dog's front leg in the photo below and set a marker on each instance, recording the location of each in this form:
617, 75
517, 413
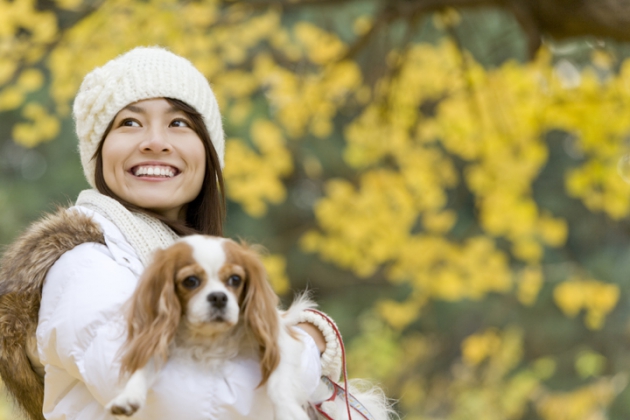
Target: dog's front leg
285, 389
134, 395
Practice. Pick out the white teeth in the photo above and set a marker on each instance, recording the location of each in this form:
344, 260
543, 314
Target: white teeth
164, 171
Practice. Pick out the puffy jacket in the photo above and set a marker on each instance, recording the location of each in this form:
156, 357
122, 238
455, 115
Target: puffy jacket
81, 328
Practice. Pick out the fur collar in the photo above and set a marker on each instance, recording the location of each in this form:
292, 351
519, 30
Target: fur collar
23, 268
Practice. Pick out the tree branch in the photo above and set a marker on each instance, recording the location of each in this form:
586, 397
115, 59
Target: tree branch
528, 23
558, 19
383, 18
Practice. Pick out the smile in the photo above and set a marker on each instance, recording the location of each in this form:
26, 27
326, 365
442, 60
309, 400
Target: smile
154, 171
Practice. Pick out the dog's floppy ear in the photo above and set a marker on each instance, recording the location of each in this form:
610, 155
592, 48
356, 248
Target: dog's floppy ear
260, 308
155, 310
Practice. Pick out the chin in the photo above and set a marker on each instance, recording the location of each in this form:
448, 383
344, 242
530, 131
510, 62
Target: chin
155, 203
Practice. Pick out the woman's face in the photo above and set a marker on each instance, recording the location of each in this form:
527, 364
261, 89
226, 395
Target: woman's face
152, 158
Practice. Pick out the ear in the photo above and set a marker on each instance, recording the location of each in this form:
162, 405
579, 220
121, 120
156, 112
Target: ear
260, 312
154, 313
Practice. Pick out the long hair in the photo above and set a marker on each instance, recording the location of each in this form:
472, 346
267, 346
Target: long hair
259, 304
204, 214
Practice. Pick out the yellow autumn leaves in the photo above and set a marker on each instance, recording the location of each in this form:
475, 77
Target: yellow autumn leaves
435, 134
30, 80
255, 178
494, 121
38, 30
491, 359
597, 299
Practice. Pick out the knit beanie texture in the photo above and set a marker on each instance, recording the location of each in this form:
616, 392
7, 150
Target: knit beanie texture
142, 73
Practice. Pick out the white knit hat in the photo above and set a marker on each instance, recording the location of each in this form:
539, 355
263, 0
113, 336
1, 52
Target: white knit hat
142, 73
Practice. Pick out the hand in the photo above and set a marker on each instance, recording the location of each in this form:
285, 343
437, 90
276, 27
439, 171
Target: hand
314, 332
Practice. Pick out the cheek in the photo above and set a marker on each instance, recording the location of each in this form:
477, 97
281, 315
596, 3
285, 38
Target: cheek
234, 304
199, 177
195, 307
113, 156
195, 155
199, 182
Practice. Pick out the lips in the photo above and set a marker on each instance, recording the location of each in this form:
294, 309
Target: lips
154, 171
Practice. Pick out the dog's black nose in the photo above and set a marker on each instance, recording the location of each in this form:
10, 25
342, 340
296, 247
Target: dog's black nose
218, 299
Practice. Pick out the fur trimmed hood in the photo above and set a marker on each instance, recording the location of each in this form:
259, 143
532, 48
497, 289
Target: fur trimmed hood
23, 268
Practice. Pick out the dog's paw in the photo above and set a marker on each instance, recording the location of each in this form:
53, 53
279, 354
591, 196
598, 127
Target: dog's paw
124, 405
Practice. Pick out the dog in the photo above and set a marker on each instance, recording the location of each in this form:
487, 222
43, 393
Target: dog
210, 296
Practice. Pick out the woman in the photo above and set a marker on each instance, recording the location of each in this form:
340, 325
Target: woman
151, 146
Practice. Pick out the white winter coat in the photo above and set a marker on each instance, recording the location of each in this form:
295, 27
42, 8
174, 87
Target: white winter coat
81, 329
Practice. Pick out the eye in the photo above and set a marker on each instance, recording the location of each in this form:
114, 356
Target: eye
128, 122
180, 123
191, 282
234, 280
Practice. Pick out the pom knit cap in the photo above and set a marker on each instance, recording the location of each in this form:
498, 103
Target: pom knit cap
142, 73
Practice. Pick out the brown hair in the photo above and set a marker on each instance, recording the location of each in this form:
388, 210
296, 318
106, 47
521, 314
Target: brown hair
206, 213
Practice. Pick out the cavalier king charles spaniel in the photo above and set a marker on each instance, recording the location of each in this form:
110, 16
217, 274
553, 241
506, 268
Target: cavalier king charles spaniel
211, 296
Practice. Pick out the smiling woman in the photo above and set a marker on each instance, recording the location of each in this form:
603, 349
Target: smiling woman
151, 146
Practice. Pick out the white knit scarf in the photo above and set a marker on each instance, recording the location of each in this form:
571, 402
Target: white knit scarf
144, 233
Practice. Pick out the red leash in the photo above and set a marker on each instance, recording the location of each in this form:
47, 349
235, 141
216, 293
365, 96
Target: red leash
343, 361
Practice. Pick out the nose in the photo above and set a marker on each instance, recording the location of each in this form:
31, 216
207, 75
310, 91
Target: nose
156, 141
218, 299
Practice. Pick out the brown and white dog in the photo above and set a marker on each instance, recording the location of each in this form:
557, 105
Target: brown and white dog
210, 296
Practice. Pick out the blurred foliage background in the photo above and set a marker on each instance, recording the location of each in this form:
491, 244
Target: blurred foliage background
451, 183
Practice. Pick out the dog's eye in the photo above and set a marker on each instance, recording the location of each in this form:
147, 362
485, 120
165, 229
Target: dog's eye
191, 282
234, 280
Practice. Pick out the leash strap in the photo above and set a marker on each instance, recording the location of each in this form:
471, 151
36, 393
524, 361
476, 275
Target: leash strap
338, 390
